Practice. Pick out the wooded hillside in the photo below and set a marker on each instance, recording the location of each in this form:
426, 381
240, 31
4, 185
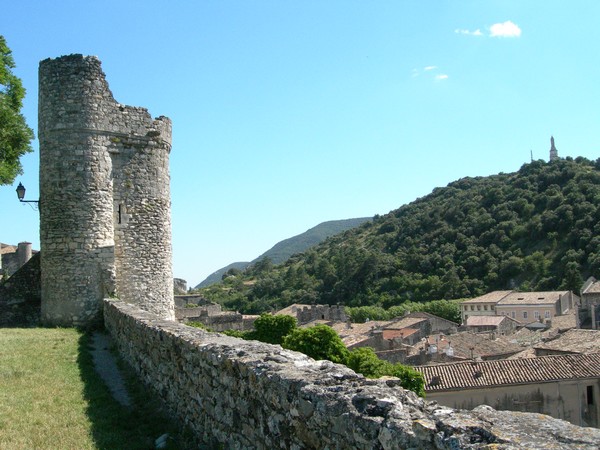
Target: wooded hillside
535, 229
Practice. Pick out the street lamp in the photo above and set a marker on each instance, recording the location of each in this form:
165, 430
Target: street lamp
21, 195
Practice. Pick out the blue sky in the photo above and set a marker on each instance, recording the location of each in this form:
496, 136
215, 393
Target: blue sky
290, 113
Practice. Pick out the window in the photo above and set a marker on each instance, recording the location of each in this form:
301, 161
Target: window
492, 307
536, 314
524, 314
547, 314
478, 307
590, 395
485, 307
513, 314
472, 308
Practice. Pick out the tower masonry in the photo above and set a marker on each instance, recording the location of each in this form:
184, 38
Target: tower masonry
105, 221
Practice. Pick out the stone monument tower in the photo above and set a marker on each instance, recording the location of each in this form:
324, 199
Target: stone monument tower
105, 221
553, 151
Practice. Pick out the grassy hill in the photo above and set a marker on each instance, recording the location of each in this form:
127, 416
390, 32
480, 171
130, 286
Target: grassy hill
534, 229
281, 251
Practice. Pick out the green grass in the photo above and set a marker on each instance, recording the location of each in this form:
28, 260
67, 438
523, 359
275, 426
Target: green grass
52, 398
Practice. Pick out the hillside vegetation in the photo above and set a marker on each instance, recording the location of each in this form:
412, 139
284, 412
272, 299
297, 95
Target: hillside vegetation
281, 251
535, 229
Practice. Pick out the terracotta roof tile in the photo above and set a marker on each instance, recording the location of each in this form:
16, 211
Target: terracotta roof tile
574, 341
490, 297
462, 343
479, 321
404, 322
404, 332
531, 298
472, 375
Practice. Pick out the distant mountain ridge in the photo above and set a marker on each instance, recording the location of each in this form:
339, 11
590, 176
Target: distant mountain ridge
281, 251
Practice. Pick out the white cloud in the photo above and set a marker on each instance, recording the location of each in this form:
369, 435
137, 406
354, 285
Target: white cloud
433, 69
477, 32
505, 29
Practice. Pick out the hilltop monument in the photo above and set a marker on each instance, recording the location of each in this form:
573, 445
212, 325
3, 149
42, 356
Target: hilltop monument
105, 208
553, 151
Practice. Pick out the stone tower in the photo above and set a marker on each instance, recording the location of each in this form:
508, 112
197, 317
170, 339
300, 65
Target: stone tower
553, 151
105, 222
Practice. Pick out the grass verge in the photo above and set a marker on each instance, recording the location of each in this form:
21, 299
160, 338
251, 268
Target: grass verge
52, 398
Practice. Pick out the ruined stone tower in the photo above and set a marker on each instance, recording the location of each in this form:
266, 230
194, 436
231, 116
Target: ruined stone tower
105, 222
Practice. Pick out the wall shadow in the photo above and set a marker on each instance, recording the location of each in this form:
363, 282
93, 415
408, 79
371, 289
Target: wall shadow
118, 427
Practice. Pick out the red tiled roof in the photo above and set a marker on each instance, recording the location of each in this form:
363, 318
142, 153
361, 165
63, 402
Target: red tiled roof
574, 341
467, 344
404, 332
405, 322
490, 297
478, 375
532, 298
479, 321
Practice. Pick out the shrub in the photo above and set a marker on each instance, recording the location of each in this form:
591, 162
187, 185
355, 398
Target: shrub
318, 342
272, 329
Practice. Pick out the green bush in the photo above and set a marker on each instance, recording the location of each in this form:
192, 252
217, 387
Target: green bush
363, 360
409, 378
272, 329
318, 342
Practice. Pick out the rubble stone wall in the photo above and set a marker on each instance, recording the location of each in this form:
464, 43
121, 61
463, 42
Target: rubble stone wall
249, 395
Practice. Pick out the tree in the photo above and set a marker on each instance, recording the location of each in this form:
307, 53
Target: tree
273, 329
15, 135
318, 342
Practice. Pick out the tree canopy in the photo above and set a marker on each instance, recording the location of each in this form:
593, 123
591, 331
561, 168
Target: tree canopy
15, 135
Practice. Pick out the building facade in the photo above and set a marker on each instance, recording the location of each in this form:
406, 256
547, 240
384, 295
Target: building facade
524, 307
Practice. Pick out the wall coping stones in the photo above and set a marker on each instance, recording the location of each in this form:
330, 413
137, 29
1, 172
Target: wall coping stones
247, 394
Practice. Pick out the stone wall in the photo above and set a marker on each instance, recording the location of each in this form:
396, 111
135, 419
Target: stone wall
321, 312
10, 262
248, 395
105, 222
20, 296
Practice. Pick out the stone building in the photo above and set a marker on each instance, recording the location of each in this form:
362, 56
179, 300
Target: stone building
566, 386
525, 307
105, 226
501, 325
484, 305
12, 257
308, 313
589, 312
